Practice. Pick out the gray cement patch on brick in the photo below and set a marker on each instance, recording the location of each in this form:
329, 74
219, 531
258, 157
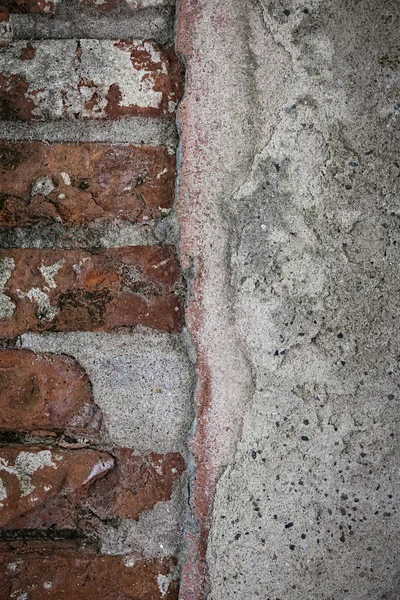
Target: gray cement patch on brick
142, 382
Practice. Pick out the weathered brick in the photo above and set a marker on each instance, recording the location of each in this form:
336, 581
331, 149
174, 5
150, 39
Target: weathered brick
29, 476
45, 392
45, 571
134, 485
90, 79
78, 183
53, 290
110, 5
28, 6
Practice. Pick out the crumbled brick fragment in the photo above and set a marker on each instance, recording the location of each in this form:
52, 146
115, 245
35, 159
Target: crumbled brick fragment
45, 392
136, 484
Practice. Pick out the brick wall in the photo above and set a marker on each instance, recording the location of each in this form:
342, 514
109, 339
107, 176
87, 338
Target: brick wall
95, 383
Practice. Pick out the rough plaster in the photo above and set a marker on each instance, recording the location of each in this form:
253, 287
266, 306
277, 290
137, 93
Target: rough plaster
308, 507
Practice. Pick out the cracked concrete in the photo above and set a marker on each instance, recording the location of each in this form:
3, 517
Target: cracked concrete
301, 231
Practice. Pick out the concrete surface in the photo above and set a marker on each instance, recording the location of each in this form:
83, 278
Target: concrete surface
290, 220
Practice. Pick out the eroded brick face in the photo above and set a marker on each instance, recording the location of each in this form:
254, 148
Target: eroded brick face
75, 184
111, 5
28, 6
52, 290
44, 571
31, 475
96, 79
135, 484
43, 393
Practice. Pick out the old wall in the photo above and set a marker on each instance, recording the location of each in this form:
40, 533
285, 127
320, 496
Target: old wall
289, 219
95, 382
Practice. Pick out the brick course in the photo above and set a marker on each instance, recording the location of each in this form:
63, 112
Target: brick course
46, 571
75, 184
51, 290
133, 484
96, 79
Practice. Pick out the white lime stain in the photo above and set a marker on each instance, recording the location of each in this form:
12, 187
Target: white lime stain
163, 583
7, 306
46, 311
25, 465
50, 272
3, 492
66, 178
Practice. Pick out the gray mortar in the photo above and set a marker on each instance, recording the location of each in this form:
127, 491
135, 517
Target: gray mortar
142, 381
309, 508
73, 20
138, 130
101, 234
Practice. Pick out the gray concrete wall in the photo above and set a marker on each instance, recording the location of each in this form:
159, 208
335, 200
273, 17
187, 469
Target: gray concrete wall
307, 504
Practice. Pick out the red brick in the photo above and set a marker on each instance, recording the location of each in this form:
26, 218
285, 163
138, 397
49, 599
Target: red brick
45, 571
97, 79
134, 485
30, 476
54, 290
78, 183
28, 6
110, 5
45, 392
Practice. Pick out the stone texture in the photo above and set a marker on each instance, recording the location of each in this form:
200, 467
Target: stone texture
43, 571
30, 476
91, 79
28, 6
45, 393
142, 382
50, 290
74, 184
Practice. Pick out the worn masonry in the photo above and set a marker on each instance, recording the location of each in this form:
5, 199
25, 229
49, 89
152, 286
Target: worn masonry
95, 383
